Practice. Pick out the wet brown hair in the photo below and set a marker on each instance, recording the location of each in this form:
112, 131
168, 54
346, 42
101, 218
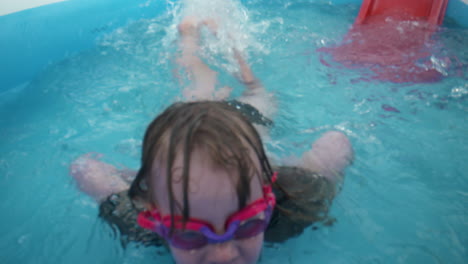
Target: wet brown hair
223, 131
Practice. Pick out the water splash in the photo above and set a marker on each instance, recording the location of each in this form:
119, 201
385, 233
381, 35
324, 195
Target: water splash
235, 29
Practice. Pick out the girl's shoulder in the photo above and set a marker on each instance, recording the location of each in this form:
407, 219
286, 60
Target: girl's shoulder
294, 181
303, 198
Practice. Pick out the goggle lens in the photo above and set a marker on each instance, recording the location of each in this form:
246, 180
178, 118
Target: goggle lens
188, 240
250, 228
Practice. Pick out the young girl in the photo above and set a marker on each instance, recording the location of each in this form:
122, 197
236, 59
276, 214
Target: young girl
206, 188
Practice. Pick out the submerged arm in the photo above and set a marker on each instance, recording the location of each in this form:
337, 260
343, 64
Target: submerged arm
255, 93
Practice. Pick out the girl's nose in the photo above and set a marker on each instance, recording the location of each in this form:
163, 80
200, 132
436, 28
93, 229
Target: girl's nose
225, 252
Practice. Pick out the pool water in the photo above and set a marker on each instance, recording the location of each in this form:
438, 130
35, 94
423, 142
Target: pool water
404, 199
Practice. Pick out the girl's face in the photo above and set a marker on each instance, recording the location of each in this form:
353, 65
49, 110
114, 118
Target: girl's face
212, 198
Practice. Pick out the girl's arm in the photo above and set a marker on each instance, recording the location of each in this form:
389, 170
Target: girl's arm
255, 93
329, 156
99, 179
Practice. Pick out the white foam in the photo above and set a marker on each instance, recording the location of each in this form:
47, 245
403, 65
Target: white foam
234, 29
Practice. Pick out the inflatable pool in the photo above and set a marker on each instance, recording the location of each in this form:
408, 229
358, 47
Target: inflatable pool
87, 76
32, 38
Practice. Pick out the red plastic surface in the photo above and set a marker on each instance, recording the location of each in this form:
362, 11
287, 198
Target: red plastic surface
392, 38
432, 11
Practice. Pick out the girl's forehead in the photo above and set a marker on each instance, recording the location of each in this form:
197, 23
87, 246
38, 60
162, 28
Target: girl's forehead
199, 161
211, 192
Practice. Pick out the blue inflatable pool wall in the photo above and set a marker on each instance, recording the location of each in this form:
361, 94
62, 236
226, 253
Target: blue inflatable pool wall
33, 38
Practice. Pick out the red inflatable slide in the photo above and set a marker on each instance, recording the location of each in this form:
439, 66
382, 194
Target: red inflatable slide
392, 38
432, 11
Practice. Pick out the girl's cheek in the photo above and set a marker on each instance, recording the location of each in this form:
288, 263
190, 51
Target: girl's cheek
251, 248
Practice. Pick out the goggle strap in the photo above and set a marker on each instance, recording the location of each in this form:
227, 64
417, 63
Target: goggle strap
274, 177
146, 220
267, 189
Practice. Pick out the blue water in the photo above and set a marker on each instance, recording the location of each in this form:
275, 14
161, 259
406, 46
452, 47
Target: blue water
404, 200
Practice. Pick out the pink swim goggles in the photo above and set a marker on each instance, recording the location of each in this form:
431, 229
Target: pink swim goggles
197, 233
